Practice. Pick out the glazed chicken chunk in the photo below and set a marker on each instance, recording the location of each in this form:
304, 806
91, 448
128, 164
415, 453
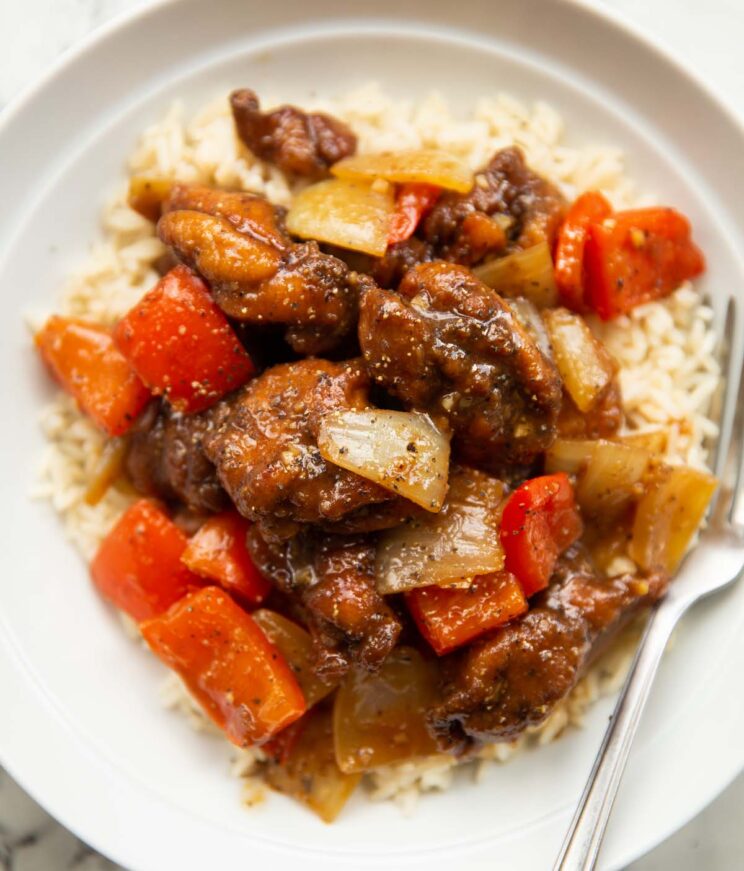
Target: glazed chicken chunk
266, 451
514, 678
449, 345
509, 206
165, 458
237, 243
332, 577
300, 143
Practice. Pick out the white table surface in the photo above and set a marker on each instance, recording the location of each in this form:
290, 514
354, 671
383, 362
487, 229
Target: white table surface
709, 37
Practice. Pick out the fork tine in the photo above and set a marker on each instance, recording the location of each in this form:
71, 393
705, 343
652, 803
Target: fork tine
722, 414
731, 469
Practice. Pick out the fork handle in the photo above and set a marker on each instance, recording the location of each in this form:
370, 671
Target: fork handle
581, 846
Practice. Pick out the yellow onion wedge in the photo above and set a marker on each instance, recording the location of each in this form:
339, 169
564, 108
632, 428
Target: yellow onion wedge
427, 165
400, 450
380, 718
452, 547
609, 474
668, 516
527, 273
583, 362
350, 214
309, 772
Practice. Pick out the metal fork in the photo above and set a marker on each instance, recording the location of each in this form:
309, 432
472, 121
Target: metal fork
724, 537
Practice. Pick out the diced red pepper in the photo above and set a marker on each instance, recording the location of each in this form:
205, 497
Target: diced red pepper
87, 363
589, 208
230, 667
218, 552
181, 344
138, 565
638, 256
412, 202
449, 617
540, 520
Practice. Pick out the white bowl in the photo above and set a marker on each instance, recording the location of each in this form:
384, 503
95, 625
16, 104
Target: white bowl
81, 727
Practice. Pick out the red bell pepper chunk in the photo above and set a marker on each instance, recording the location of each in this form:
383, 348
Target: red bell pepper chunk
230, 667
636, 257
138, 565
449, 617
540, 520
412, 202
218, 552
87, 363
181, 344
589, 208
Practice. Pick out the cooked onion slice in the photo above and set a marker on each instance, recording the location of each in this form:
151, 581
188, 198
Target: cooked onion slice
451, 547
609, 474
527, 273
585, 365
349, 214
653, 440
668, 516
380, 718
421, 165
147, 194
107, 470
400, 450
529, 317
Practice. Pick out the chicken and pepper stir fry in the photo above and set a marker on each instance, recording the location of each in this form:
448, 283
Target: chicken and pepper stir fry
415, 526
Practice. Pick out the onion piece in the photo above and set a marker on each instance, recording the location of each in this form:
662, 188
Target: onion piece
147, 194
400, 450
107, 470
653, 440
349, 214
426, 165
529, 317
307, 769
379, 718
527, 273
450, 548
668, 516
569, 455
296, 646
609, 474
583, 362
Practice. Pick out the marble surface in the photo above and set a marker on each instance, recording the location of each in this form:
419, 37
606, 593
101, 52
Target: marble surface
707, 37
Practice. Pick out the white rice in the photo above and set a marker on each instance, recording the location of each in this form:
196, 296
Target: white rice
665, 349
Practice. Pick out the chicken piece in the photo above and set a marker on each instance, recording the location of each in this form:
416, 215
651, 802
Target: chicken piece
314, 293
450, 346
388, 270
514, 678
299, 143
213, 233
375, 518
257, 275
351, 622
266, 451
459, 227
332, 578
165, 458
250, 214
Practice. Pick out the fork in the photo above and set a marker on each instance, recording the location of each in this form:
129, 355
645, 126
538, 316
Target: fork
721, 545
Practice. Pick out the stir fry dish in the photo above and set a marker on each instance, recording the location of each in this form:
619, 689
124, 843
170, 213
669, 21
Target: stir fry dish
387, 503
